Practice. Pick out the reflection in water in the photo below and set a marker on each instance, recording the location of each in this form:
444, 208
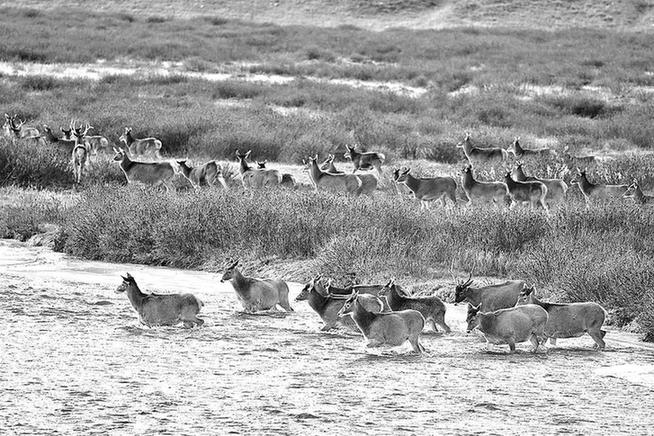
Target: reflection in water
81, 363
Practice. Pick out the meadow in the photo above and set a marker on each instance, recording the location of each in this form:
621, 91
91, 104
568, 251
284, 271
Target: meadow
587, 89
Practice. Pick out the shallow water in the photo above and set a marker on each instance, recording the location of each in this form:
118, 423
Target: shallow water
75, 361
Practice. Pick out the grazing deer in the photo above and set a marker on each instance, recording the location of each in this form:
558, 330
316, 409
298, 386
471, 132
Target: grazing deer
256, 178
80, 152
634, 192
385, 328
204, 175
288, 181
141, 147
569, 320
485, 192
347, 183
427, 189
524, 153
533, 193
149, 173
556, 188
366, 160
481, 155
257, 294
162, 309
599, 191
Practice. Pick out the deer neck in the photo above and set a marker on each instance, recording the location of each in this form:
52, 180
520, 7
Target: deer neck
509, 182
639, 197
362, 318
243, 165
135, 296
412, 183
126, 163
468, 180
584, 184
517, 149
317, 301
129, 139
50, 136
394, 296
520, 175
314, 172
186, 171
332, 167
240, 282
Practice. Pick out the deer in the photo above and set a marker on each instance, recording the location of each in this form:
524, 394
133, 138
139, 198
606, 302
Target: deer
162, 309
509, 326
80, 152
427, 189
556, 188
569, 320
148, 173
481, 155
492, 297
634, 192
28, 135
96, 143
341, 183
533, 192
328, 165
21, 131
369, 182
203, 175
432, 308
288, 181
327, 304
51, 138
599, 191
141, 147
256, 178
572, 162
484, 192
365, 160
385, 328
524, 153
257, 294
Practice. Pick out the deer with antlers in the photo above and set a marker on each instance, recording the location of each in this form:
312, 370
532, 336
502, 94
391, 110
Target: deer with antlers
80, 150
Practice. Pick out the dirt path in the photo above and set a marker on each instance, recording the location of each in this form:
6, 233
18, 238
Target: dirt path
74, 348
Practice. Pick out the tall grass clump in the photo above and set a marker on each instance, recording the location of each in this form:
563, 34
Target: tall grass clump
25, 163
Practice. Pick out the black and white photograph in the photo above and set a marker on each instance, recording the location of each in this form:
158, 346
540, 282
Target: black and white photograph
327, 217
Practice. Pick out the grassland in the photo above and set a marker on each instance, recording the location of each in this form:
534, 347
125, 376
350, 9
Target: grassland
588, 89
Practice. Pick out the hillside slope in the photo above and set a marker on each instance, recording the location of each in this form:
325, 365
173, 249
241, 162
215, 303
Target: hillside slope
381, 14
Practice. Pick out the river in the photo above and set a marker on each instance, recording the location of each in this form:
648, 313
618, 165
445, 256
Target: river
75, 360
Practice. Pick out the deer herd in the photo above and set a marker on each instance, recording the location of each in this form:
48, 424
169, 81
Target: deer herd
141, 162
388, 315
